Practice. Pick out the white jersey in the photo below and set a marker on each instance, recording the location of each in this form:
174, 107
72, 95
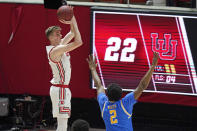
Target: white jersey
61, 70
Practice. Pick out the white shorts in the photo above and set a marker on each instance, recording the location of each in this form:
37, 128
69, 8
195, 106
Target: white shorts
61, 105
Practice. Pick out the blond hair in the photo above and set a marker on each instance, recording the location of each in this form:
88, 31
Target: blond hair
50, 29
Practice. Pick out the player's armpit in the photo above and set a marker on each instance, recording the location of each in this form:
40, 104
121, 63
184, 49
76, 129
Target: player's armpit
56, 53
53, 55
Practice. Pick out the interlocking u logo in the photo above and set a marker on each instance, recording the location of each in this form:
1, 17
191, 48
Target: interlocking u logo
165, 47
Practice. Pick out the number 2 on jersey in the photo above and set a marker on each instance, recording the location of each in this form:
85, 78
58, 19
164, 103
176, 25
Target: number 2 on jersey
113, 116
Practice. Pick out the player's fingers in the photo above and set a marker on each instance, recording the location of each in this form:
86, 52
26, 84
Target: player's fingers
156, 55
71, 7
93, 58
87, 60
61, 21
90, 59
68, 22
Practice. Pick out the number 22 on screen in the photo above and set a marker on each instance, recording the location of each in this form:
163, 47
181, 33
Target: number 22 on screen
109, 56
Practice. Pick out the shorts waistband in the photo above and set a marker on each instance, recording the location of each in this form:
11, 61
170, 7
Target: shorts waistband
60, 85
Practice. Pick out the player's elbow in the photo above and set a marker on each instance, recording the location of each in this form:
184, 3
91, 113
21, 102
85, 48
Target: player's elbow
72, 34
98, 83
79, 42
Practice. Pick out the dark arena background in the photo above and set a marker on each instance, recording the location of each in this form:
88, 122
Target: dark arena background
122, 37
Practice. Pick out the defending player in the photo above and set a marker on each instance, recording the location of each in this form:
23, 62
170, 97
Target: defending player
117, 112
59, 60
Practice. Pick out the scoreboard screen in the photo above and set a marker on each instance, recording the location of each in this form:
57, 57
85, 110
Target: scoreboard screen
123, 43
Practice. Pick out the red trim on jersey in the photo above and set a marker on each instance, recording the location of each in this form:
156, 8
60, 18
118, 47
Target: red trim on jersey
50, 55
61, 72
64, 109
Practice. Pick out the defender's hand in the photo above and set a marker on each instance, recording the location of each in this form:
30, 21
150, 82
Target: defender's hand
155, 59
91, 62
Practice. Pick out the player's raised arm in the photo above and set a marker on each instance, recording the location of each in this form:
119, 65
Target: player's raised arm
70, 35
146, 79
64, 47
97, 81
74, 32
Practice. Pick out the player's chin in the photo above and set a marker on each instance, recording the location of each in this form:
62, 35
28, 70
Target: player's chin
59, 41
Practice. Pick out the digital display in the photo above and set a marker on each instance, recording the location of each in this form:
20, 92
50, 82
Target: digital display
123, 45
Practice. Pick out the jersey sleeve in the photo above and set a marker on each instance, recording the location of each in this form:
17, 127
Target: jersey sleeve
102, 98
129, 100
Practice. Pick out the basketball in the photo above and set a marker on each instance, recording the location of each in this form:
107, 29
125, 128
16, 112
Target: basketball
65, 13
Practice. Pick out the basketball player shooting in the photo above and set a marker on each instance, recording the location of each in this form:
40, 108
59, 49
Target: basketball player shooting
117, 112
59, 60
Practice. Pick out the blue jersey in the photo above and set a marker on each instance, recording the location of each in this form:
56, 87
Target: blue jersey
117, 116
